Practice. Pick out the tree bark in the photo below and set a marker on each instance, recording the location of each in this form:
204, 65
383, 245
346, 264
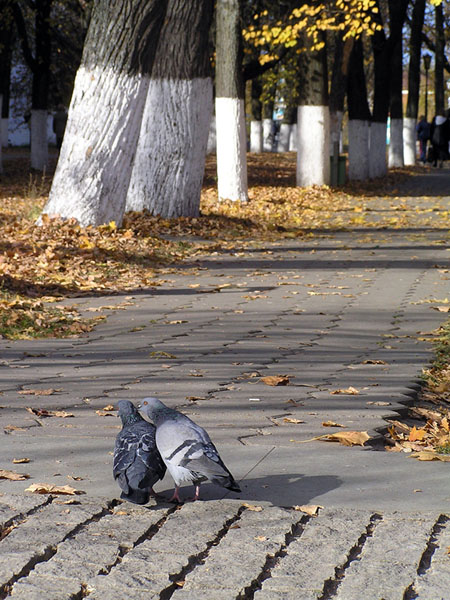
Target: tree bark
396, 107
358, 116
412, 106
230, 105
256, 129
6, 37
439, 61
339, 74
313, 120
94, 168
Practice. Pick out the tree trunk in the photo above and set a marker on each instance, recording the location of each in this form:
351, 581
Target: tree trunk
286, 129
94, 168
6, 37
313, 120
1, 160
170, 157
412, 107
269, 91
342, 51
230, 104
256, 128
358, 116
439, 61
396, 107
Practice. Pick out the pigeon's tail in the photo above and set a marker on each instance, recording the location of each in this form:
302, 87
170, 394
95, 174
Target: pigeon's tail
226, 482
136, 496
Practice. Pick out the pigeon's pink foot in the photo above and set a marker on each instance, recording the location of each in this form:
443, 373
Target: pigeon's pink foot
175, 497
196, 495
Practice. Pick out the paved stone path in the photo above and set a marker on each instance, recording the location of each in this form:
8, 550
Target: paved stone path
333, 312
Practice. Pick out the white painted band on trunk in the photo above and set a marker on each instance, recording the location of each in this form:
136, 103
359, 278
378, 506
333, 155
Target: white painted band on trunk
94, 167
409, 141
256, 136
284, 137
267, 135
358, 150
313, 145
170, 157
396, 143
377, 149
293, 139
231, 149
39, 142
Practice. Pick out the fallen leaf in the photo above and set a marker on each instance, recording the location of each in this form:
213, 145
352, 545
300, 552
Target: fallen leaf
350, 390
13, 428
161, 354
275, 380
416, 434
195, 398
75, 477
443, 309
105, 413
43, 412
310, 509
379, 403
373, 361
12, 475
260, 538
331, 424
292, 420
109, 407
48, 488
18, 461
348, 438
252, 507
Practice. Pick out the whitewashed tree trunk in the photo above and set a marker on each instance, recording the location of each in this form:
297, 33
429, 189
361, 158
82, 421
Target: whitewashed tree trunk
231, 149
256, 136
358, 150
170, 157
94, 167
313, 146
39, 142
377, 149
212, 136
267, 125
336, 128
409, 141
396, 144
230, 108
293, 139
284, 137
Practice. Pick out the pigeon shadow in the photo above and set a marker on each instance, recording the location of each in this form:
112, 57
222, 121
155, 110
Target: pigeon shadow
280, 490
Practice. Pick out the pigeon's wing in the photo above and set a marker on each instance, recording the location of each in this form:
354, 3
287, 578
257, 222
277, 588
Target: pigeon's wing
125, 448
185, 444
149, 457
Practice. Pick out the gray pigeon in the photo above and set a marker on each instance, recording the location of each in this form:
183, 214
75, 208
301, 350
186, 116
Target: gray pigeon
186, 449
137, 462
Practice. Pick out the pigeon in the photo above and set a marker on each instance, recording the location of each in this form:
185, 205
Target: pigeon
137, 462
186, 449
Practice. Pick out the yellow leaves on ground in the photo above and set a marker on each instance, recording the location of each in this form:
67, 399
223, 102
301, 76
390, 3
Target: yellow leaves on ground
346, 438
12, 475
310, 509
275, 380
43, 412
48, 488
350, 391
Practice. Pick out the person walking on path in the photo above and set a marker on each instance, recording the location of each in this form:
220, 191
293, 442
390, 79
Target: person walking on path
423, 135
59, 124
440, 136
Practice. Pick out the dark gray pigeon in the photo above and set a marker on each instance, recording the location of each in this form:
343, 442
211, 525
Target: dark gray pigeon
186, 449
137, 462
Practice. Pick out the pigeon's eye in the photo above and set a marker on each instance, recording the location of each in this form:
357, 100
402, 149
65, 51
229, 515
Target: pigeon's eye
145, 403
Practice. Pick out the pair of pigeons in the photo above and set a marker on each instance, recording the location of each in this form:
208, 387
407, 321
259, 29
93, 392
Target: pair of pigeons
143, 452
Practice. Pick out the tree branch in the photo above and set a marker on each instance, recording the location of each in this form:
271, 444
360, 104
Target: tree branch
22, 29
254, 68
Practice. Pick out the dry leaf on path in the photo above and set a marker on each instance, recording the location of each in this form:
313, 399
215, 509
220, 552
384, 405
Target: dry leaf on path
275, 380
252, 507
43, 412
332, 424
48, 392
12, 475
109, 407
443, 309
310, 509
105, 413
292, 420
350, 390
428, 456
373, 361
346, 438
416, 434
19, 461
48, 488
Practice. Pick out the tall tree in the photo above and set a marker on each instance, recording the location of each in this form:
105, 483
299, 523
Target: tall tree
94, 168
396, 107
313, 119
439, 60
256, 131
412, 106
170, 157
358, 115
230, 106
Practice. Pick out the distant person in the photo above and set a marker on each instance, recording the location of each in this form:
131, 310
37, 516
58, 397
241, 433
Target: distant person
423, 135
440, 136
59, 124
